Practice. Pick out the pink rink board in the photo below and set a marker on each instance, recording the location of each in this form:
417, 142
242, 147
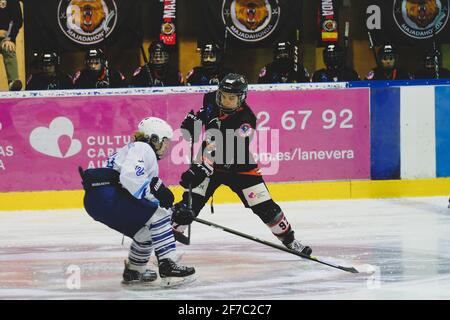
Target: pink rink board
305, 135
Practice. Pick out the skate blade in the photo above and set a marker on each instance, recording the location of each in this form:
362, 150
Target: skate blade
138, 283
174, 282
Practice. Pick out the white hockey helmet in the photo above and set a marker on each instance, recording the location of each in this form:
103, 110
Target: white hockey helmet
156, 128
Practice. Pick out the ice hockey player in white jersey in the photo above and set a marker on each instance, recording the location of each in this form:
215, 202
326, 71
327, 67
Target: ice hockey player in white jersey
128, 196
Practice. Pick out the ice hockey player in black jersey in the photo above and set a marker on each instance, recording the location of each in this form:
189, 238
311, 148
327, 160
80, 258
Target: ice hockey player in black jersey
157, 72
98, 73
283, 69
211, 71
432, 66
49, 77
229, 161
336, 70
388, 68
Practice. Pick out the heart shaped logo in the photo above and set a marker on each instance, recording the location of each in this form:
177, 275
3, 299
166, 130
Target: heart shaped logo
56, 140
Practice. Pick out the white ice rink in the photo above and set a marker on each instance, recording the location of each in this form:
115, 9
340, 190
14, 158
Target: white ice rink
406, 240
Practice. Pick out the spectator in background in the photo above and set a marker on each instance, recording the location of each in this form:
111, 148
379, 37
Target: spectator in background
97, 73
211, 71
157, 72
432, 66
336, 70
387, 68
49, 77
283, 69
10, 23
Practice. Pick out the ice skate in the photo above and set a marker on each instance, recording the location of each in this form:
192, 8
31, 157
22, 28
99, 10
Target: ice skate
298, 247
173, 274
133, 277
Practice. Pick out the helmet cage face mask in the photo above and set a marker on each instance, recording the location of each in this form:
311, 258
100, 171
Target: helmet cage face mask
209, 59
388, 57
159, 58
210, 55
94, 64
282, 52
95, 55
50, 59
332, 57
49, 63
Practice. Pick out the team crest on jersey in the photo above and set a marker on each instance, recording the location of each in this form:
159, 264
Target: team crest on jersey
87, 21
245, 130
251, 20
421, 19
3, 4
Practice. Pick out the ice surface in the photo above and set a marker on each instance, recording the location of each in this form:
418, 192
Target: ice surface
402, 244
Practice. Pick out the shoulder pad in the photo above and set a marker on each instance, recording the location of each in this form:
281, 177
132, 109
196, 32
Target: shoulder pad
189, 74
29, 78
370, 75
137, 71
263, 72
77, 76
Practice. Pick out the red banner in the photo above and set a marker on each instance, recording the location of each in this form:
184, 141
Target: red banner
168, 33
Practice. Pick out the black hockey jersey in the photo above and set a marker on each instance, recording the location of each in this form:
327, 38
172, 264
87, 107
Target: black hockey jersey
396, 74
327, 75
242, 123
274, 73
42, 81
107, 78
147, 76
427, 73
206, 76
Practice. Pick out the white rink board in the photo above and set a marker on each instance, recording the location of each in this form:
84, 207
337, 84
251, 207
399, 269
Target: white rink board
407, 239
418, 132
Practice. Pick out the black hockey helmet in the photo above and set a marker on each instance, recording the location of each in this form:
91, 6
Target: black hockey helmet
429, 58
333, 56
95, 54
387, 52
49, 59
159, 54
282, 51
211, 54
232, 83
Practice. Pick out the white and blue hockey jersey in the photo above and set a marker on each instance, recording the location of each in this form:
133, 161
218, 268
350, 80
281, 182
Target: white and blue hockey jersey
137, 165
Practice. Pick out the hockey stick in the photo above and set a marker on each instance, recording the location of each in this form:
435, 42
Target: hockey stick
276, 246
372, 48
190, 187
346, 40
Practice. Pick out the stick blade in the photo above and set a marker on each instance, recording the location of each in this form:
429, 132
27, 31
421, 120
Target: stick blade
349, 269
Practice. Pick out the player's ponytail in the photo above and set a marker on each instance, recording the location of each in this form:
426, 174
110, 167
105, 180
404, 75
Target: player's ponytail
141, 137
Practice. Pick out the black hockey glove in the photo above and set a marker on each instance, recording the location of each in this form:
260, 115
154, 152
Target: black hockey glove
162, 193
192, 124
181, 214
195, 175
